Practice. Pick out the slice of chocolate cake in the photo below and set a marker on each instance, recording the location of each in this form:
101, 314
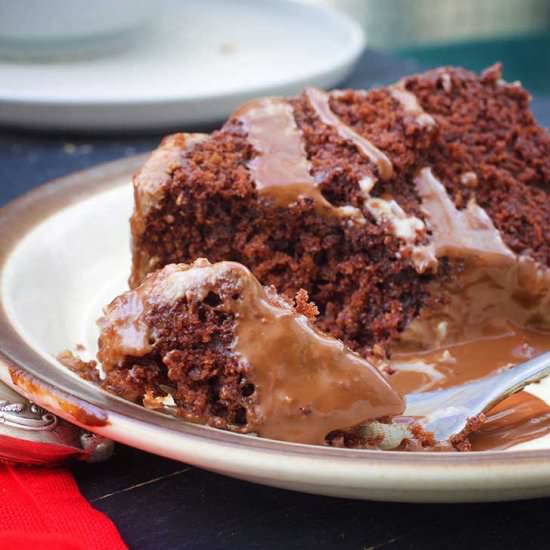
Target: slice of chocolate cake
209, 343
415, 217
338, 194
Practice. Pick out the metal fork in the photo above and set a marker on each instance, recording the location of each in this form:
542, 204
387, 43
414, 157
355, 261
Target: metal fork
445, 413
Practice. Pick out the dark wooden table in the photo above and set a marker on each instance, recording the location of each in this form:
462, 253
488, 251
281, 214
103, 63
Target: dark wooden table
158, 503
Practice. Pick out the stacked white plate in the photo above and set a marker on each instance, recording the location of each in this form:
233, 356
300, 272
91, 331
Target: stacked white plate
194, 63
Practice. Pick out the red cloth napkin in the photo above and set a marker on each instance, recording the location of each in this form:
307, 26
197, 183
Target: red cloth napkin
42, 509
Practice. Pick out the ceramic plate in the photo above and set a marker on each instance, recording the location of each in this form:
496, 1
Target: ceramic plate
64, 254
195, 64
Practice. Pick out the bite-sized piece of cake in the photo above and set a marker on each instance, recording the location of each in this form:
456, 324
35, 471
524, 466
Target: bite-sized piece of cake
211, 344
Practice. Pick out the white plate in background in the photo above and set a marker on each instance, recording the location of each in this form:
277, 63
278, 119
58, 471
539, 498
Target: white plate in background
195, 63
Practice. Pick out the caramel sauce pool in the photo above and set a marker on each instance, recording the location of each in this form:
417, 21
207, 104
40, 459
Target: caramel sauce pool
521, 417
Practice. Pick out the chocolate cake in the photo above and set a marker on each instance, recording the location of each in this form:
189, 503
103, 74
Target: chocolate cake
414, 217
336, 194
209, 343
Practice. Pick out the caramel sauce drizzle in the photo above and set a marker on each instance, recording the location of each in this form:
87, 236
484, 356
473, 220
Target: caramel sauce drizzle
410, 105
497, 344
320, 102
405, 227
281, 170
521, 417
468, 234
459, 233
308, 383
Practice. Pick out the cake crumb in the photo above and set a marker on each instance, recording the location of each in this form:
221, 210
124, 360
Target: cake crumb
460, 441
446, 82
158, 402
304, 306
85, 369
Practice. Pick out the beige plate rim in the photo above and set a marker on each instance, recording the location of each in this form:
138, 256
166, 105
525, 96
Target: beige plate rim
395, 476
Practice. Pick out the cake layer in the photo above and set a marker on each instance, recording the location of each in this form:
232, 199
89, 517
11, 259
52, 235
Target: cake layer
489, 148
